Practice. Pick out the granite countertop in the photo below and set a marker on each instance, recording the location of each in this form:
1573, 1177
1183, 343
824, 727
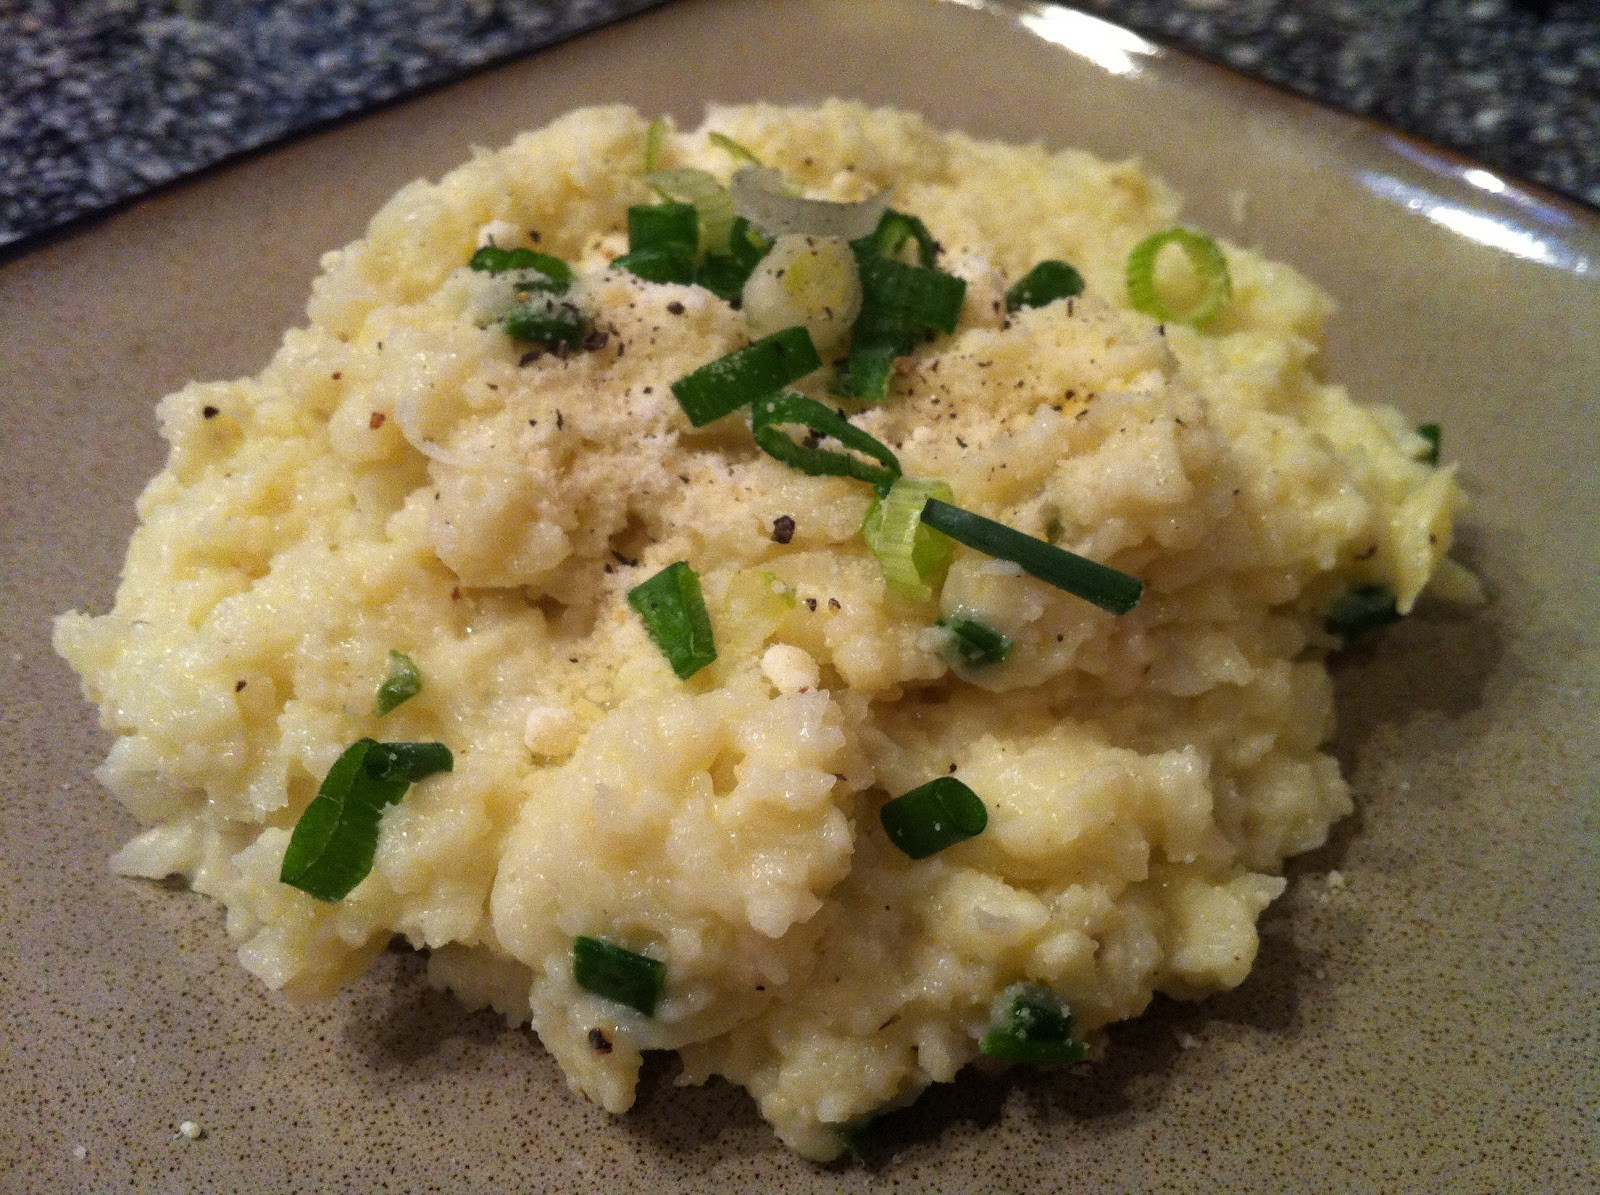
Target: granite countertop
103, 100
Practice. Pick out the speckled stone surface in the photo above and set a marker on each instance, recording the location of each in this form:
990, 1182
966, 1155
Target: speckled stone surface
102, 100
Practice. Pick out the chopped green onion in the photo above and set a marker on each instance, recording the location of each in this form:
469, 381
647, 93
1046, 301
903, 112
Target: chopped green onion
663, 239
654, 137
724, 274
1432, 433
333, 844
1093, 582
893, 231
772, 412
1208, 262
618, 974
402, 684
540, 319
975, 642
672, 226
934, 816
1045, 283
738, 152
710, 199
910, 553
900, 304
674, 614
1032, 1024
556, 274
744, 375
1363, 609
658, 265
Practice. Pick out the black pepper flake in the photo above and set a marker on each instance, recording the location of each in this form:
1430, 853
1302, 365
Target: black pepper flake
812, 439
623, 560
811, 604
599, 1042
533, 235
337, 375
455, 593
782, 529
238, 686
529, 357
961, 442
952, 769
675, 308
561, 421
595, 339
572, 659
833, 604
209, 412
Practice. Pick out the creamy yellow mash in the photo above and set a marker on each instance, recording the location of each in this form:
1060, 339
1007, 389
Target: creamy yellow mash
400, 477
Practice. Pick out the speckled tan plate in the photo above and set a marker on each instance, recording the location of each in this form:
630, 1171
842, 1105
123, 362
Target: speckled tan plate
1431, 1025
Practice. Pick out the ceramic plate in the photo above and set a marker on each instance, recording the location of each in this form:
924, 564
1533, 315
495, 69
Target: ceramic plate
1429, 1026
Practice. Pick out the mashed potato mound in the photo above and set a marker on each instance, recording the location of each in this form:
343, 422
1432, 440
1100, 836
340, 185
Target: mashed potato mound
399, 477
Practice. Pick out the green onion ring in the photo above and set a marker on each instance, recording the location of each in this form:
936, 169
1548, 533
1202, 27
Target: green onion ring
1204, 255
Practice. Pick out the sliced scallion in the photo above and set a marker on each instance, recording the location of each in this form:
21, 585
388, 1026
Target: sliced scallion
772, 412
710, 199
893, 231
1204, 255
658, 265
976, 643
1032, 1024
934, 816
402, 683
675, 617
909, 552
333, 844
542, 319
663, 239
734, 150
619, 974
1093, 582
1045, 283
900, 304
1362, 609
552, 274
654, 138
1433, 434
724, 274
744, 375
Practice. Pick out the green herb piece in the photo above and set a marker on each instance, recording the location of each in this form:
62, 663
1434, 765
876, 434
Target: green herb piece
1032, 1024
542, 319
333, 843
663, 239
556, 274
674, 613
710, 198
772, 412
654, 137
1433, 434
738, 152
934, 816
402, 684
618, 974
1093, 582
724, 274
909, 552
671, 226
1045, 283
975, 642
1204, 255
1361, 610
744, 375
658, 265
890, 237
900, 305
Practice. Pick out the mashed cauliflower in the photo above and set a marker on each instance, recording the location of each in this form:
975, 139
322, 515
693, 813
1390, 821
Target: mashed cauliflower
401, 478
